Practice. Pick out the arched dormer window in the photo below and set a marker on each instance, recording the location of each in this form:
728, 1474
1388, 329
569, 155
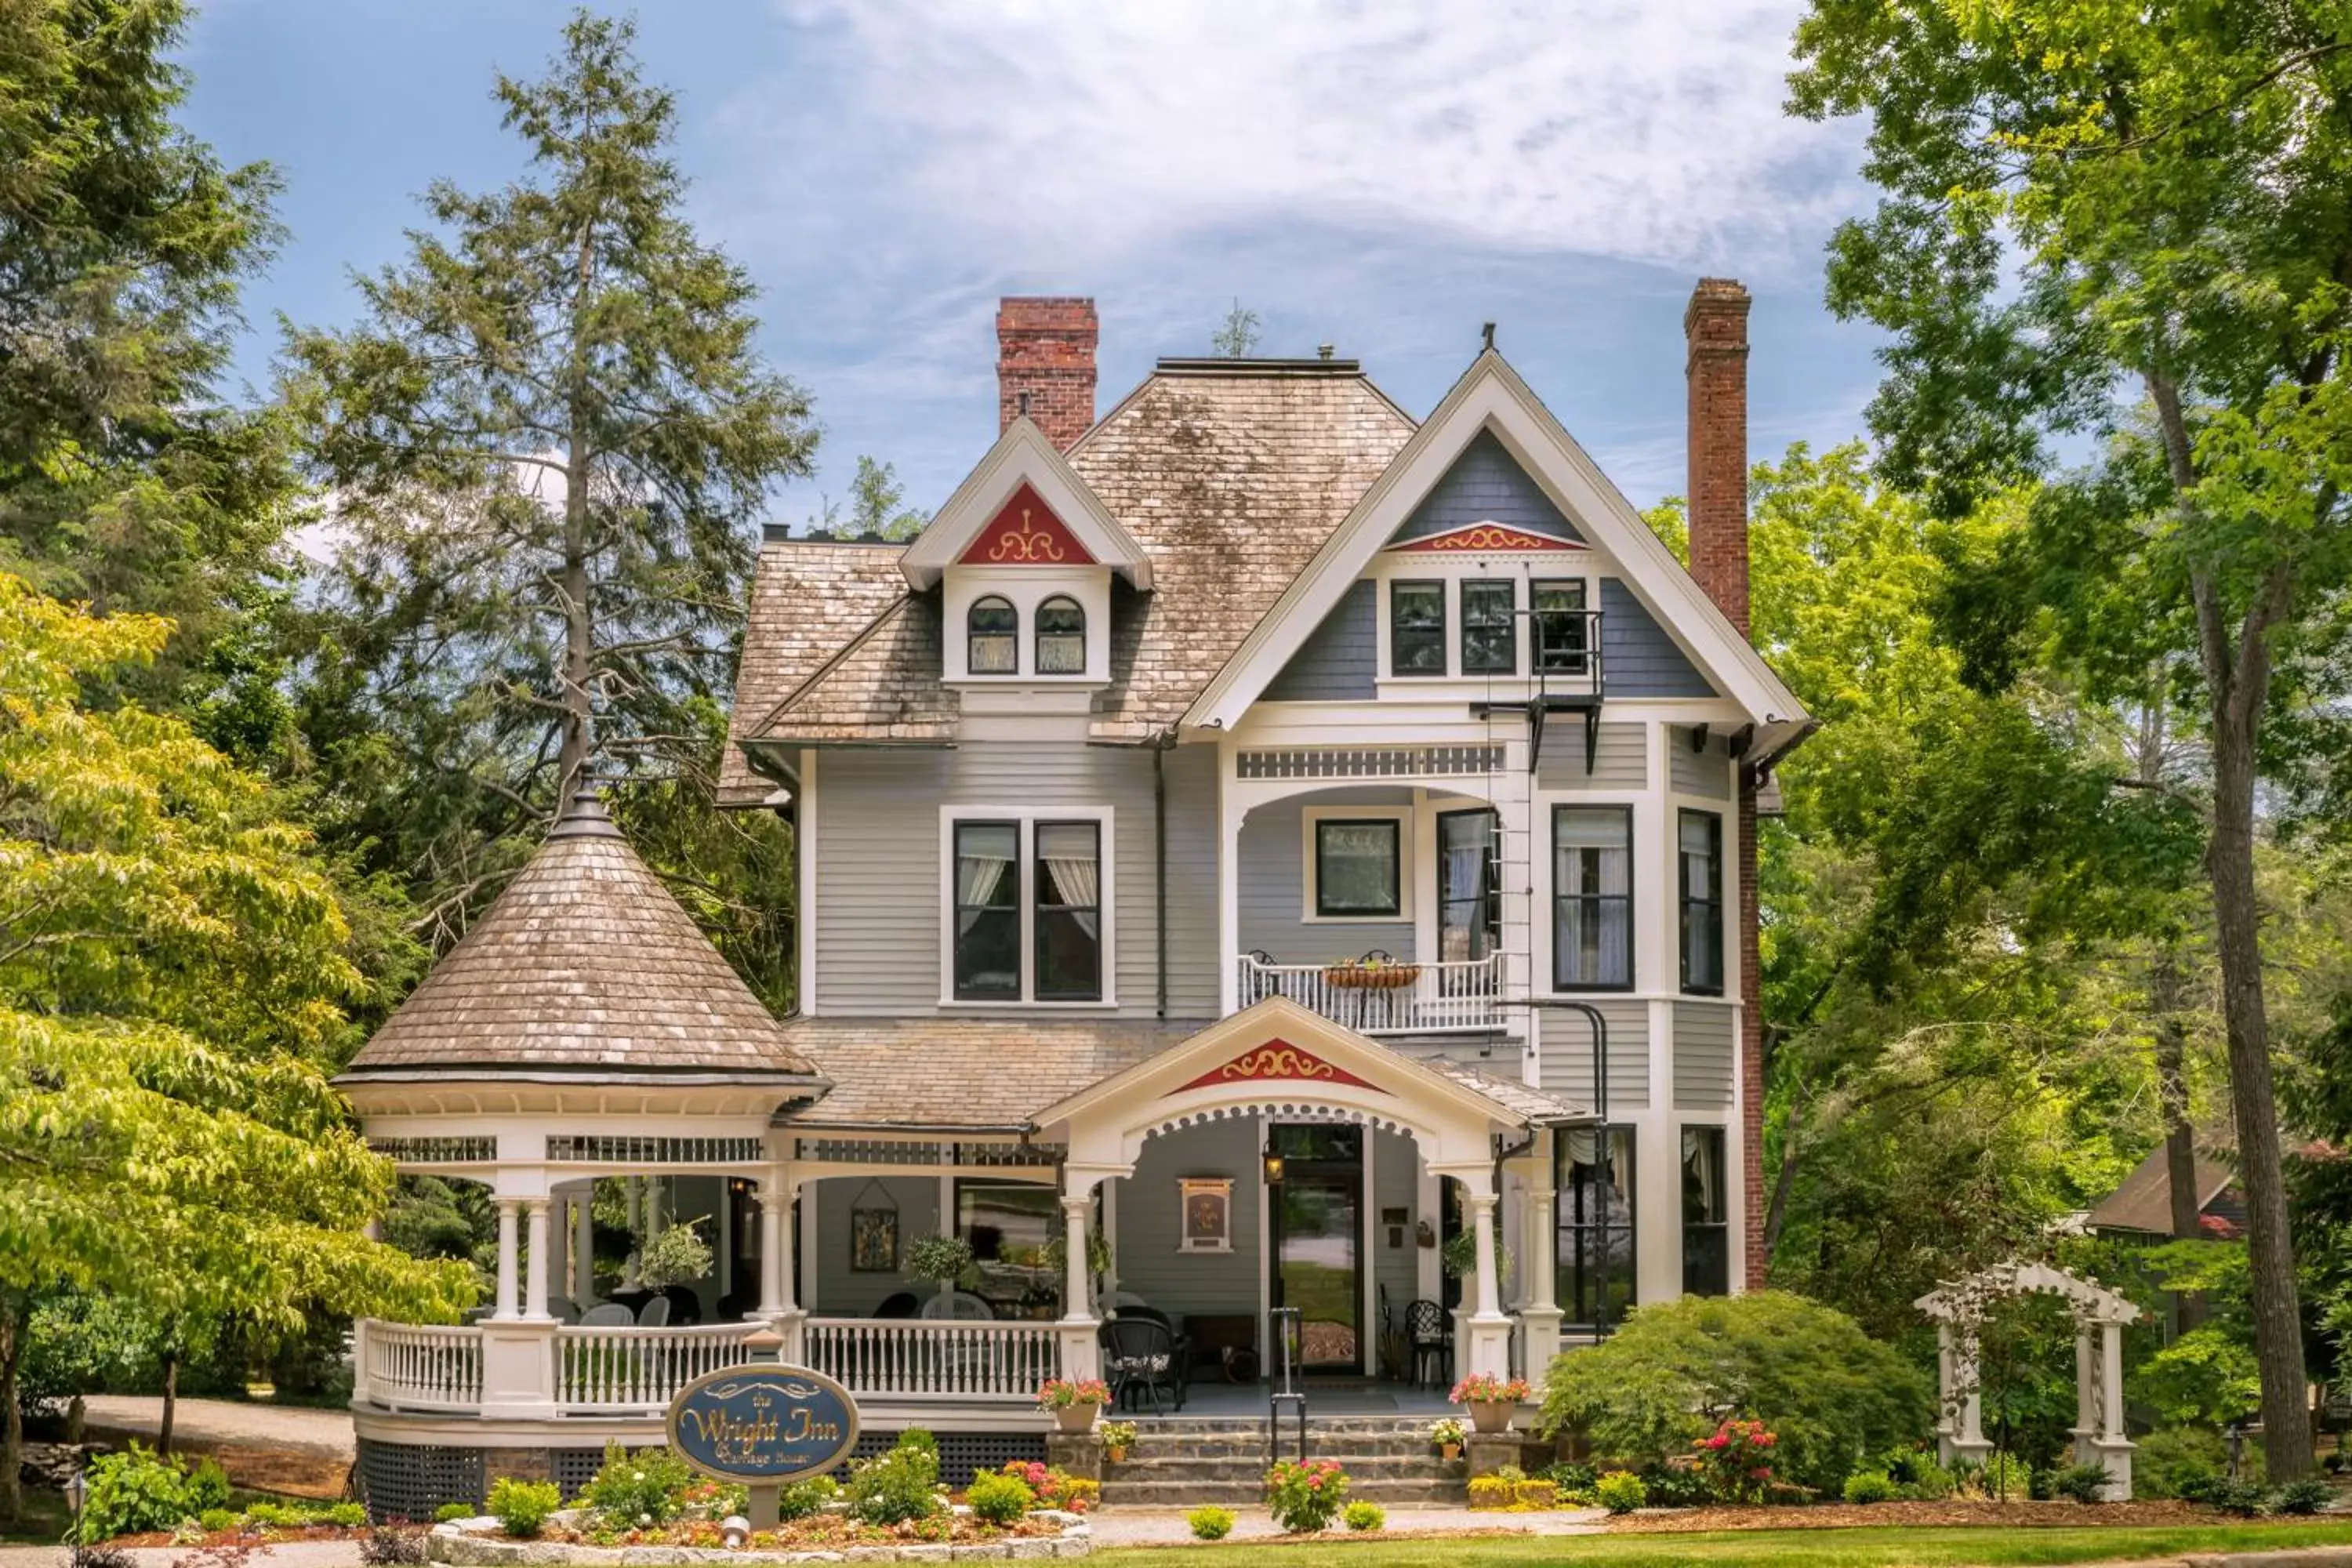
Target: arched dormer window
993, 629
1061, 638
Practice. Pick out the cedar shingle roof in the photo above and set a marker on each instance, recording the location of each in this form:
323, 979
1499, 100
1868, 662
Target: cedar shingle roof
585, 960
1231, 478
966, 1072
1512, 1094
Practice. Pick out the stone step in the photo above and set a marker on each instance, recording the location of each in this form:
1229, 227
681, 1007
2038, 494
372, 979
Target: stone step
1252, 1467
1251, 1494
1338, 1444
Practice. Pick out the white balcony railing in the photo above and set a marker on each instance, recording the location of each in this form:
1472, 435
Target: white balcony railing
618, 1369
918, 1357
406, 1367
1394, 998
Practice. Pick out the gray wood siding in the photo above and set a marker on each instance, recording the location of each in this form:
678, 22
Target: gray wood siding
1567, 1064
1272, 885
1704, 1040
1703, 773
1621, 761
1193, 962
837, 1292
877, 861
1149, 1223
1485, 484
1396, 1184
1637, 657
1339, 660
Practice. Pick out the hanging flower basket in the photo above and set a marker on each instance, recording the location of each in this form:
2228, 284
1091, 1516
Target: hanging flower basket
1373, 976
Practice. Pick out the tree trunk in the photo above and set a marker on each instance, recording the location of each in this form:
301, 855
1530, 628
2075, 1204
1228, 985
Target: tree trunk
2179, 1137
579, 625
171, 1402
12, 1420
1784, 1181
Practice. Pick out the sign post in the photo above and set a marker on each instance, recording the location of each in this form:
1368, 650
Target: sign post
765, 1423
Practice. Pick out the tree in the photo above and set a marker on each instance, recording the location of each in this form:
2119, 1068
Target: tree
1236, 336
548, 439
878, 503
173, 971
2079, 198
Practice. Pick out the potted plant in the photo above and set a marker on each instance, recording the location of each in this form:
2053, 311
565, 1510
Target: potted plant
1117, 1437
678, 1256
941, 1258
1446, 1433
1491, 1400
1074, 1402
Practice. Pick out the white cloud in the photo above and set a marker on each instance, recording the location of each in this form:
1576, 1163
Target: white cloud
1074, 132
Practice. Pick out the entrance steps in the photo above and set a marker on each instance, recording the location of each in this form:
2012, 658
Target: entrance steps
1182, 1463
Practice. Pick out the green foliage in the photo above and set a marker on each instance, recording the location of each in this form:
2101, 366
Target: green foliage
1211, 1522
1304, 1495
1490, 1491
2241, 1495
919, 1437
2171, 1458
803, 1498
1869, 1486
522, 1507
135, 1491
897, 1485
217, 1520
1236, 335
2205, 1377
998, 1498
941, 1258
878, 503
678, 1256
450, 1511
2079, 1483
634, 1490
1362, 1517
2307, 1495
1621, 1492
1674, 1369
387, 1546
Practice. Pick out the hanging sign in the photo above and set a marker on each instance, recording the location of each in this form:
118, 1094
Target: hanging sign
763, 1424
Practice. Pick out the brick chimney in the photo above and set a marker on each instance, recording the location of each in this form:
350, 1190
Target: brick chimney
1046, 365
1716, 329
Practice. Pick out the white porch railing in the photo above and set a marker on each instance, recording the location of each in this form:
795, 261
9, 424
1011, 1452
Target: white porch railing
617, 1369
918, 1357
406, 1367
1397, 998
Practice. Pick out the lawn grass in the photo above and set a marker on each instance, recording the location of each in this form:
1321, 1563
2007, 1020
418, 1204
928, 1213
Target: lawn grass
1978, 1547
43, 1522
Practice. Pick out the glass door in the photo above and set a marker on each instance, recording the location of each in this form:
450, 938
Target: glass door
1469, 900
1318, 1211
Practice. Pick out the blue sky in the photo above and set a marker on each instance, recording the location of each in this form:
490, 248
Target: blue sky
1380, 174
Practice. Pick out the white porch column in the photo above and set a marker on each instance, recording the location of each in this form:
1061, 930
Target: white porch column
778, 1306
509, 1214
634, 1190
1075, 1334
583, 1248
1490, 1285
534, 1304
1487, 1327
1539, 1282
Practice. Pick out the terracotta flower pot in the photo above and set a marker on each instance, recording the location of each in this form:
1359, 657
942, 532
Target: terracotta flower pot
1077, 1418
1117, 1455
1491, 1415
1449, 1450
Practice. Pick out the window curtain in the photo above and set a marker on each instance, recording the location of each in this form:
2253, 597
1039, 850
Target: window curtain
982, 858
1594, 861
1703, 1179
1074, 863
1468, 846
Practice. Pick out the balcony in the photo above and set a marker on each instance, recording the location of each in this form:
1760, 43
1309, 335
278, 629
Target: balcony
1392, 998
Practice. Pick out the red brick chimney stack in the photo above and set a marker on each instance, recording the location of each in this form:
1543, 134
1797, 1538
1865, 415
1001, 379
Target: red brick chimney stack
1716, 328
1046, 365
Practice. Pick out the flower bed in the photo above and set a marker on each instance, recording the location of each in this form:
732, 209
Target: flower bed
1923, 1515
827, 1537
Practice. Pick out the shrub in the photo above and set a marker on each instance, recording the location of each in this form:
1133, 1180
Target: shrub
522, 1507
2242, 1498
1210, 1523
645, 1488
2083, 1483
272, 1516
803, 1498
1534, 1492
897, 1485
1574, 1481
2173, 1456
215, 1519
1865, 1487
1621, 1492
1490, 1491
386, 1547
135, 1491
1829, 1392
1055, 1487
998, 1498
449, 1512
2308, 1495
1676, 1486
1736, 1461
207, 1486
1365, 1516
1924, 1479
919, 1437
1305, 1498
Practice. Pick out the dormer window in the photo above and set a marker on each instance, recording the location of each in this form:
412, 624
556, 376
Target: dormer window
994, 636
1061, 638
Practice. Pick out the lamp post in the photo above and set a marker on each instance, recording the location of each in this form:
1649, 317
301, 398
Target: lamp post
77, 1490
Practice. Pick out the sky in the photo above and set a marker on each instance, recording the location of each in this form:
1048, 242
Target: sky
1380, 176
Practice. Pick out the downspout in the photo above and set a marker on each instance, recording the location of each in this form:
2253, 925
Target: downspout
1159, 745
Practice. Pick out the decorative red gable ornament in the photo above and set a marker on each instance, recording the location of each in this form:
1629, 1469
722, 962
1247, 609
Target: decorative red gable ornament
1483, 538
1025, 532
1276, 1059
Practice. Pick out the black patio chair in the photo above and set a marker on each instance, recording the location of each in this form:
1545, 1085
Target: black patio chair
899, 1304
1431, 1339
1140, 1357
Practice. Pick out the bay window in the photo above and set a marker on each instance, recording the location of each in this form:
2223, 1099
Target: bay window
1706, 1214
1699, 854
1594, 1178
1592, 897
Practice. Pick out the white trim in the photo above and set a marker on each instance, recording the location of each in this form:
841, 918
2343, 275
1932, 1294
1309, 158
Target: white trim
1027, 817
1490, 396
1424, 543
1023, 455
1026, 589
1309, 819
805, 869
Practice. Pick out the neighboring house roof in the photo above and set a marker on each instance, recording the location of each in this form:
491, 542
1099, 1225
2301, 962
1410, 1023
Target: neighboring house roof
1229, 476
955, 1073
2144, 1200
586, 962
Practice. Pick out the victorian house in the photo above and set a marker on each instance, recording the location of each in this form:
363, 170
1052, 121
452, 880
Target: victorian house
1269, 868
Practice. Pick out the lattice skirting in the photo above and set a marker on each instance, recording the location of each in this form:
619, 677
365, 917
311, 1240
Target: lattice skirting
409, 1480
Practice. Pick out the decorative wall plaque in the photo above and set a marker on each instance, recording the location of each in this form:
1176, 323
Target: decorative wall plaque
1208, 1214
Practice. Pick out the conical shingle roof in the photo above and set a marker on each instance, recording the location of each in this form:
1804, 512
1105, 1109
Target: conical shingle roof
584, 964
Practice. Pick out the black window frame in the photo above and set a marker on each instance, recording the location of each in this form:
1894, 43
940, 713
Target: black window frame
971, 635
1559, 898
1707, 1242
1582, 1273
1484, 587
1037, 633
1709, 908
957, 908
1395, 827
1576, 660
1436, 636
1035, 979
1490, 893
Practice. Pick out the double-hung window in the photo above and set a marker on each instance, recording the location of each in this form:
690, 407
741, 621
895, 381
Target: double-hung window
1700, 857
1490, 638
1027, 910
1594, 1183
1706, 1214
1592, 897
1563, 634
1417, 628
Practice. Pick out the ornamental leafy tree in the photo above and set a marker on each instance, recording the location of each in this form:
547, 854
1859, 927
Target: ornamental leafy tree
173, 968
548, 439
2132, 226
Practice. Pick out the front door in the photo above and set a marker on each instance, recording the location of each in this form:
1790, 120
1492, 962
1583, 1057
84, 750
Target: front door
1318, 1242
